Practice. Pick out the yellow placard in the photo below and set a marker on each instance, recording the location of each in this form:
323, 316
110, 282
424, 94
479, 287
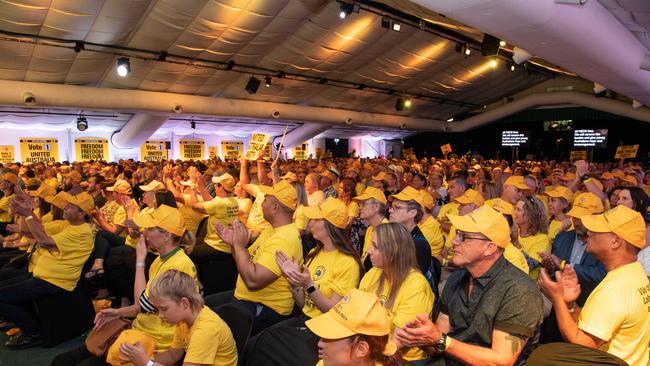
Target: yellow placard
91, 149
624, 152
446, 149
268, 152
213, 152
153, 150
232, 149
257, 144
35, 150
578, 155
301, 152
192, 149
7, 154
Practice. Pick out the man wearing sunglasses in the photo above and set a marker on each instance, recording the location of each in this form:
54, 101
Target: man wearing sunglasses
496, 309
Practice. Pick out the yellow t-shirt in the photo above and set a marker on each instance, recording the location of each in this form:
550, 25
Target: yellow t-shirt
367, 240
450, 208
532, 246
245, 205
617, 312
276, 295
52, 182
515, 257
151, 324
332, 272
554, 228
256, 221
131, 241
191, 216
47, 217
208, 342
223, 211
414, 297
62, 268
51, 228
353, 209
431, 230
299, 218
4, 207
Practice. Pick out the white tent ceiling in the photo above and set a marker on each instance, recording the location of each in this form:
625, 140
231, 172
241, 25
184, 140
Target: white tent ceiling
294, 36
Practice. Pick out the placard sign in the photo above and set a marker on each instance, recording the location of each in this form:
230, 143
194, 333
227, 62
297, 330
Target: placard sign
39, 150
91, 149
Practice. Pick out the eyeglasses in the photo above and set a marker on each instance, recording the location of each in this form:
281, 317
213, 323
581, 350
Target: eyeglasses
462, 236
398, 207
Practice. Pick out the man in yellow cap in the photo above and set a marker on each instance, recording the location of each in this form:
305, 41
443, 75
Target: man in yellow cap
372, 209
60, 261
406, 209
513, 189
261, 288
489, 308
456, 186
613, 327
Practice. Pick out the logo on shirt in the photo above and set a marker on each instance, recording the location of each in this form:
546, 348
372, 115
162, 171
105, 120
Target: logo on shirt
319, 273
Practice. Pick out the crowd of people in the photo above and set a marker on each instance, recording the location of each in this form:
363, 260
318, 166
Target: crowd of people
343, 261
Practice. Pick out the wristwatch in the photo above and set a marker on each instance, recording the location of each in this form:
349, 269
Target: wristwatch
441, 345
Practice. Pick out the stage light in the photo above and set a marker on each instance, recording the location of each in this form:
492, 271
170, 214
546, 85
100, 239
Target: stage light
397, 27
253, 85
399, 105
346, 9
451, 119
385, 22
123, 66
82, 123
407, 103
267, 82
502, 43
493, 63
468, 51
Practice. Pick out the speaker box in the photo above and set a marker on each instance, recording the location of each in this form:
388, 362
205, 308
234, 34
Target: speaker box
490, 45
253, 85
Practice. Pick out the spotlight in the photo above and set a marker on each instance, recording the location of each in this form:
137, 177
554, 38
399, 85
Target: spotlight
451, 119
123, 66
493, 63
82, 123
346, 9
407, 103
162, 56
397, 27
267, 82
253, 85
512, 67
193, 125
520, 55
78, 46
490, 45
502, 43
468, 51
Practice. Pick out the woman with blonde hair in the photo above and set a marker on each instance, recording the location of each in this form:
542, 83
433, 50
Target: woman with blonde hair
529, 232
200, 336
397, 281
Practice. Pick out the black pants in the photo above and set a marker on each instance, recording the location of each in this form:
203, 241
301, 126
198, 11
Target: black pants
559, 354
17, 297
263, 316
78, 356
288, 343
217, 270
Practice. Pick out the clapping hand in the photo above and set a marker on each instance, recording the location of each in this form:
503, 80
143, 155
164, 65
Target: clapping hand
236, 235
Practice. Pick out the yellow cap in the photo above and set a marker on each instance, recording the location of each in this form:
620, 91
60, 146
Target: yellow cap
427, 199
500, 205
358, 312
568, 176
226, 180
331, 210
408, 194
379, 176
120, 186
131, 336
560, 192
10, 177
154, 185
471, 196
284, 192
83, 200
586, 204
290, 176
618, 174
629, 179
607, 176
74, 175
372, 192
516, 181
44, 190
596, 182
59, 200
622, 221
164, 217
487, 221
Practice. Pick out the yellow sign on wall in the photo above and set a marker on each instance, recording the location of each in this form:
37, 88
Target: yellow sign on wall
213, 152
35, 150
578, 155
91, 149
257, 144
7, 154
301, 152
232, 149
192, 149
153, 150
